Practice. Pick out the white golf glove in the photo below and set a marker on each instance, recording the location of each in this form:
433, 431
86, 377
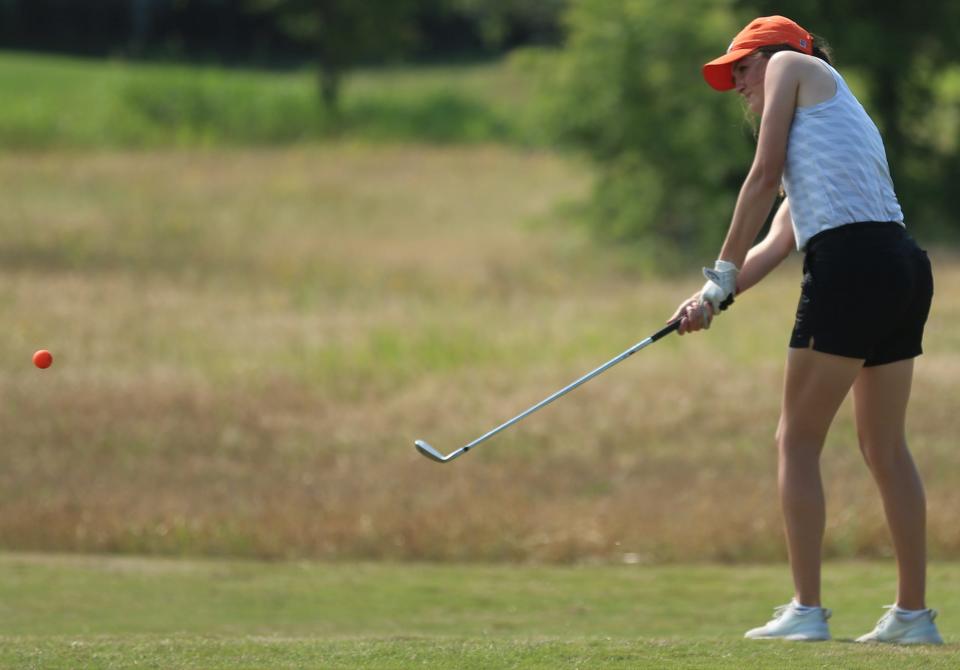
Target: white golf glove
721, 285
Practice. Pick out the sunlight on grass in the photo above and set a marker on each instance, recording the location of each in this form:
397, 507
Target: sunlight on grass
71, 102
95, 612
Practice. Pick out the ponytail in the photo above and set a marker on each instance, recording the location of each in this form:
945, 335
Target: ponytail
821, 49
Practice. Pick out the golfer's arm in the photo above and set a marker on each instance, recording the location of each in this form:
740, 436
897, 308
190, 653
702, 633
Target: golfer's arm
757, 196
769, 252
760, 188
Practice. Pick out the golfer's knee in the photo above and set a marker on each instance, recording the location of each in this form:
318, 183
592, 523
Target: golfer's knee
882, 455
797, 446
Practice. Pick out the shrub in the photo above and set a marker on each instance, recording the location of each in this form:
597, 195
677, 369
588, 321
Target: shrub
671, 152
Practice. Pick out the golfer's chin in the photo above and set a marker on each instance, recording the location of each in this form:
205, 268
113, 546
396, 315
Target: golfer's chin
752, 104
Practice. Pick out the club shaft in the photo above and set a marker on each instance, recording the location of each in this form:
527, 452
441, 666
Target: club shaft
587, 377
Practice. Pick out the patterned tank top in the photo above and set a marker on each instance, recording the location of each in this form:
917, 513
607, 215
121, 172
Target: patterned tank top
836, 168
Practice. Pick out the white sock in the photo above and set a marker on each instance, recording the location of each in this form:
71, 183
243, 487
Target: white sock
803, 609
909, 615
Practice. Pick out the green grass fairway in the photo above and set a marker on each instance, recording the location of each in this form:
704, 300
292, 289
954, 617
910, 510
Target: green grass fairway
94, 612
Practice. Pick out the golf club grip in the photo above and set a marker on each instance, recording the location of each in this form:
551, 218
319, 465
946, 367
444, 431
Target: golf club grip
666, 330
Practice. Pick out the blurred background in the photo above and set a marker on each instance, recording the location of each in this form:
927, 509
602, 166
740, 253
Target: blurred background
271, 242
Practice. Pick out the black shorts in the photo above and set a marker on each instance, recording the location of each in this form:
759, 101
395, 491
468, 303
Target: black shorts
866, 293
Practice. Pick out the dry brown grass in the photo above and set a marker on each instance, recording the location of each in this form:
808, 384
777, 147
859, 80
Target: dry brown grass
247, 343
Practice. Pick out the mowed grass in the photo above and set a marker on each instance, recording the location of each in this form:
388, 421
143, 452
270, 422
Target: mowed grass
247, 342
97, 612
61, 102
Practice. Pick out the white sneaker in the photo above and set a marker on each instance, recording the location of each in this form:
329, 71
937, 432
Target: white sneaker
790, 623
897, 630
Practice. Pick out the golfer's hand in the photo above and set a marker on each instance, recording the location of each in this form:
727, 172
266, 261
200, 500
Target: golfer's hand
721, 285
694, 315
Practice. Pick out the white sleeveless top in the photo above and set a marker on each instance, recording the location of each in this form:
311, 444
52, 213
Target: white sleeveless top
836, 168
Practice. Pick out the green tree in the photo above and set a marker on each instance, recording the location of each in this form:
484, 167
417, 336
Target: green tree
344, 33
671, 153
496, 19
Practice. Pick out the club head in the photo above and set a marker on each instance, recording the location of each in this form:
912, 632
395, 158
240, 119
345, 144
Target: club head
430, 452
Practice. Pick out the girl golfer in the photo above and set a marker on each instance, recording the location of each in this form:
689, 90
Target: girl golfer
864, 299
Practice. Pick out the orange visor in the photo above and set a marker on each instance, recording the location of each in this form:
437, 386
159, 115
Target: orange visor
762, 32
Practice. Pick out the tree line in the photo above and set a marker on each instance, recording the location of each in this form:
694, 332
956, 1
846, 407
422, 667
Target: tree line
278, 32
334, 34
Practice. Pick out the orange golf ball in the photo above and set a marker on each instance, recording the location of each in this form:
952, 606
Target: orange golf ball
43, 359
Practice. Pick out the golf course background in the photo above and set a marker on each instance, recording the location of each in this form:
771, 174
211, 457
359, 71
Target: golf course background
255, 309
248, 340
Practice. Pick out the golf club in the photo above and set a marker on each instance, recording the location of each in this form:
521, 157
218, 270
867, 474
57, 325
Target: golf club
435, 455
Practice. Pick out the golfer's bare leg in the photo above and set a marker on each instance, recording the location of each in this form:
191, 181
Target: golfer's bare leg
881, 394
815, 386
